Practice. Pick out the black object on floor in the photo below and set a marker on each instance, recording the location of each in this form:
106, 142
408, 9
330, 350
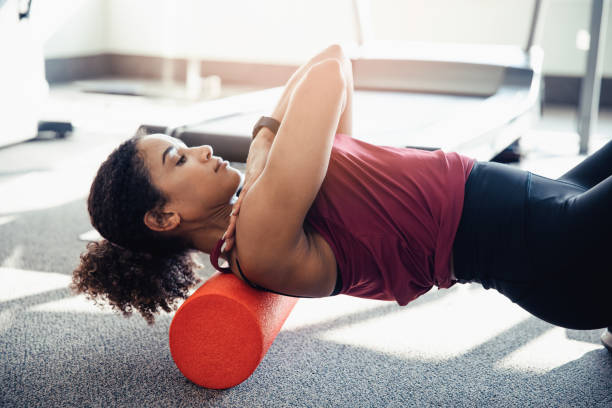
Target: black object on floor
511, 154
61, 129
606, 339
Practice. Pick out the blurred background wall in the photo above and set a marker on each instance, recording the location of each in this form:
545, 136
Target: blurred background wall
91, 34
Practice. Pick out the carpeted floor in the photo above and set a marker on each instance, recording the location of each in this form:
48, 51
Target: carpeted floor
459, 347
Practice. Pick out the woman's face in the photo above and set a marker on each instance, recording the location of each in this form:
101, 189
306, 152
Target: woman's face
194, 181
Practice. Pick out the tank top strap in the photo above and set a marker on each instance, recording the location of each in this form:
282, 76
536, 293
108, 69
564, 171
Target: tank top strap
216, 253
214, 258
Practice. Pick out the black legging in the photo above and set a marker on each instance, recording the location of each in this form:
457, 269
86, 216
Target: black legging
545, 244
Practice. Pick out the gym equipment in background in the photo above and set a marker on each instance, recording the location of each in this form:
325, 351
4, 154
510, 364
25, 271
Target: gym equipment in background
477, 100
22, 77
220, 334
588, 106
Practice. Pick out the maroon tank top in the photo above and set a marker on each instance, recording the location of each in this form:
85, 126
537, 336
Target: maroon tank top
390, 216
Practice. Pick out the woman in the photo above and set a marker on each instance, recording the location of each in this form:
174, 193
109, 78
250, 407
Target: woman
321, 213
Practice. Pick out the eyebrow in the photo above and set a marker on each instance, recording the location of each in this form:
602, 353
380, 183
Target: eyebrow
165, 153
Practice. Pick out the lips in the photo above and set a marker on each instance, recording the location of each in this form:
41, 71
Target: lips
219, 163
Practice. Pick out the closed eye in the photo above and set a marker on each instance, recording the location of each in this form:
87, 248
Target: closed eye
182, 160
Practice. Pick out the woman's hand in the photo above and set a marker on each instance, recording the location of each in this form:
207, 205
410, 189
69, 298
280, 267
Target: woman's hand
256, 162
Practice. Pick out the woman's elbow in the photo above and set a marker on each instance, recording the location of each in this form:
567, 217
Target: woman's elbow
330, 71
335, 51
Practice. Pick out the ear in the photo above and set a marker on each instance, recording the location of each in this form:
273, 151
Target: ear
160, 221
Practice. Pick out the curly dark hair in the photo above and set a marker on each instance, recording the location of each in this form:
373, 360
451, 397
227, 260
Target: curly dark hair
133, 267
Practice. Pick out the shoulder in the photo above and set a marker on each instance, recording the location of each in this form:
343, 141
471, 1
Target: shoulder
306, 268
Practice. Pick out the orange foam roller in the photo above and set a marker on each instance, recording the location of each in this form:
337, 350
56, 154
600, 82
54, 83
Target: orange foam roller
220, 334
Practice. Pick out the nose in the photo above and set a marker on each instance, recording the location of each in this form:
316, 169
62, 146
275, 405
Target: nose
206, 153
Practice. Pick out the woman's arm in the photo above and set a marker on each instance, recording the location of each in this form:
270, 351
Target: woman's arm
334, 51
258, 152
277, 204
260, 147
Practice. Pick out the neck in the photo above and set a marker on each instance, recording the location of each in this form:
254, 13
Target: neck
205, 237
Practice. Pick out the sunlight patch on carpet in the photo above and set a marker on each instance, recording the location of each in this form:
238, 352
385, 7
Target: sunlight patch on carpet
72, 304
18, 283
546, 352
441, 329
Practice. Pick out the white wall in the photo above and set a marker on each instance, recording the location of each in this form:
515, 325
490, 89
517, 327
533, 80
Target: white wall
288, 31
70, 28
564, 19
466, 21
271, 30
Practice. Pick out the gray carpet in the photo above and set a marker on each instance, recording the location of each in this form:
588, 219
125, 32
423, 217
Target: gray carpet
460, 347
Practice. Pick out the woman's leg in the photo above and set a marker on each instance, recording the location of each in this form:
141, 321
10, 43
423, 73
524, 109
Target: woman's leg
543, 243
588, 221
569, 235
592, 170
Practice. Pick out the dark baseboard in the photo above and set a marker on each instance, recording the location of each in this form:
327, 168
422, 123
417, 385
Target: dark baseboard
558, 89
147, 67
76, 68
